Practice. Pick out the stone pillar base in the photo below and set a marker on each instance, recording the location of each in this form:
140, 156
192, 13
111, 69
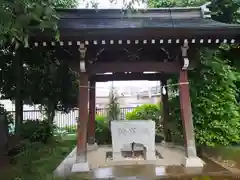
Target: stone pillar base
150, 155
80, 167
193, 162
92, 147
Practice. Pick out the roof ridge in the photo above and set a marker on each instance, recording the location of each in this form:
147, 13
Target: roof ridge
193, 12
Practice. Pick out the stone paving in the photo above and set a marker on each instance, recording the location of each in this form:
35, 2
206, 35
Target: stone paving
168, 166
97, 159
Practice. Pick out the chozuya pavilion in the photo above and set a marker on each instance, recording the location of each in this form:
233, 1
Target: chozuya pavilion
127, 44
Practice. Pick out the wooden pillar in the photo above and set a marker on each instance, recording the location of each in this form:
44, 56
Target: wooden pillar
186, 115
165, 111
92, 112
82, 119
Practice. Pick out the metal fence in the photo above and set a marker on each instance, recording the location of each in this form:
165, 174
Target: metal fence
67, 120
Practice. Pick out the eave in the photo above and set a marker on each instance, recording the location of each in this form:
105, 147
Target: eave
162, 25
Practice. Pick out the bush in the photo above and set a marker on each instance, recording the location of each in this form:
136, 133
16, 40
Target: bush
9, 120
145, 112
72, 129
36, 131
103, 135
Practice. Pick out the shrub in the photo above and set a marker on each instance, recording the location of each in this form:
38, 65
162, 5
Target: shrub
103, 135
71, 129
36, 131
145, 112
9, 120
102, 132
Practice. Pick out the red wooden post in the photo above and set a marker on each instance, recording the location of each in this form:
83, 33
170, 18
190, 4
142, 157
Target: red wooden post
82, 119
165, 110
186, 113
92, 112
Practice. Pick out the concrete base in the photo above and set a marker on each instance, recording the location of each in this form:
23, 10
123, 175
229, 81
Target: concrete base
151, 155
92, 147
193, 162
65, 167
80, 167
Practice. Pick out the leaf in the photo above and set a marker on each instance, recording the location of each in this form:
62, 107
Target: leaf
23, 20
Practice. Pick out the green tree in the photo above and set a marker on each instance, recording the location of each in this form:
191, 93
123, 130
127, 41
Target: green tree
65, 3
215, 108
216, 112
145, 112
51, 84
226, 11
113, 105
175, 3
18, 18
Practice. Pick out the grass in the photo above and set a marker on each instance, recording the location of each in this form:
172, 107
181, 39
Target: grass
224, 152
72, 137
225, 155
39, 161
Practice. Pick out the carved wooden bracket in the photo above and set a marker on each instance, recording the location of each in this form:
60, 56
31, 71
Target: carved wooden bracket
184, 49
82, 49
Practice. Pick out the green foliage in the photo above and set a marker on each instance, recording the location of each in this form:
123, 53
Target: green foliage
18, 20
37, 161
9, 119
175, 3
47, 80
113, 106
65, 3
102, 132
72, 129
19, 17
145, 112
51, 83
36, 131
102, 135
216, 112
148, 112
225, 11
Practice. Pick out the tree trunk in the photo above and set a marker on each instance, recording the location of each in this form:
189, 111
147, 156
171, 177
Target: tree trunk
50, 114
18, 94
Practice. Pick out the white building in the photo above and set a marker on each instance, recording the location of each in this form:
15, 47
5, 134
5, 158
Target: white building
131, 94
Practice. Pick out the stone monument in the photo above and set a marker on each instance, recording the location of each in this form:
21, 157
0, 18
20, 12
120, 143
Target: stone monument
130, 135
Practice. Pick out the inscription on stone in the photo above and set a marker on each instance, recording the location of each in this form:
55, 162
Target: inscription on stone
131, 131
124, 133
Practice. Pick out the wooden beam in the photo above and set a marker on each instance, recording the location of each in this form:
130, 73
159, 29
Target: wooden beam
165, 111
82, 119
127, 77
186, 114
167, 67
92, 113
